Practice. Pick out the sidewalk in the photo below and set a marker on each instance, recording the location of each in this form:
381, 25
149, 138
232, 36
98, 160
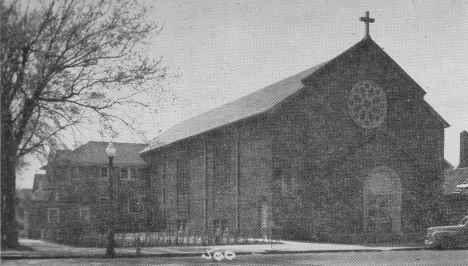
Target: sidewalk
49, 250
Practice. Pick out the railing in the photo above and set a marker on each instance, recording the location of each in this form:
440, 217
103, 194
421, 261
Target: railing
156, 239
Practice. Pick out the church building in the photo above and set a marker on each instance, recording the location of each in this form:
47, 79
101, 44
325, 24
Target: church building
347, 148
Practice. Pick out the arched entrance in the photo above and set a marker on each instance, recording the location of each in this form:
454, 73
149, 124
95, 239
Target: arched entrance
382, 201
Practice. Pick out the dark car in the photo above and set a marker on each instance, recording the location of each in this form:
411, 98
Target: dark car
448, 236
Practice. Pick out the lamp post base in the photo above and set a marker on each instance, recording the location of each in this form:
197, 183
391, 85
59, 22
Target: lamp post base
110, 251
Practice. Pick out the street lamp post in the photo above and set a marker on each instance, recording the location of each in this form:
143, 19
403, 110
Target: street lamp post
110, 251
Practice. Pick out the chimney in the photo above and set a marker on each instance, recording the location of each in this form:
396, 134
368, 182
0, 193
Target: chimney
463, 149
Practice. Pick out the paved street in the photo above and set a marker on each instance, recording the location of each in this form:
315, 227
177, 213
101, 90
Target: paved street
419, 257
53, 250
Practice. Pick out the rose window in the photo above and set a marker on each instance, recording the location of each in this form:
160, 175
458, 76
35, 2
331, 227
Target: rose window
367, 104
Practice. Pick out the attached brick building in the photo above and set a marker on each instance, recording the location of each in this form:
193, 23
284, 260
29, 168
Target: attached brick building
454, 186
348, 147
73, 194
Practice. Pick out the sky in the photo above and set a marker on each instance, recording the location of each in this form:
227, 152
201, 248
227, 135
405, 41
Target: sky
226, 49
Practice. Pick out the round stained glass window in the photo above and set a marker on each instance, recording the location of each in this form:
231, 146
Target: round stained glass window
367, 104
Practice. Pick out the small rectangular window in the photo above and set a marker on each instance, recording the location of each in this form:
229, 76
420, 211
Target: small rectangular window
287, 184
181, 225
220, 225
182, 185
53, 215
103, 193
103, 172
134, 174
85, 214
124, 173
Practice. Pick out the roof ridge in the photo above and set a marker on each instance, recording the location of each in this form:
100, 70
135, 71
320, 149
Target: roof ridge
456, 169
96, 141
289, 83
260, 101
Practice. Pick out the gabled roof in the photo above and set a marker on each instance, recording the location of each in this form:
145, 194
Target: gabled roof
42, 190
255, 103
447, 165
93, 153
40, 180
57, 155
250, 105
25, 194
452, 178
434, 113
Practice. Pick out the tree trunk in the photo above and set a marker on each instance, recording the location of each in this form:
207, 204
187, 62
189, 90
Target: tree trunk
9, 230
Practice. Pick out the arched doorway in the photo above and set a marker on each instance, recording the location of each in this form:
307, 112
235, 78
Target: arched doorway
382, 201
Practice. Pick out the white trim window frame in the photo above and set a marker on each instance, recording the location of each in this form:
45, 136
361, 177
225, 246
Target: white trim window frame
134, 173
101, 172
85, 214
220, 225
129, 173
51, 216
182, 225
124, 173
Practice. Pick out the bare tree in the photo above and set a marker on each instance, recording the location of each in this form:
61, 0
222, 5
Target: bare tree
65, 64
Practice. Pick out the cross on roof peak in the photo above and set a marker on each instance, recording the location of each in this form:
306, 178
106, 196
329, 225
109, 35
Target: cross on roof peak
367, 20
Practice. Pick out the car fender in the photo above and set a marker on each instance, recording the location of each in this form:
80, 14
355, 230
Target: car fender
445, 239
444, 233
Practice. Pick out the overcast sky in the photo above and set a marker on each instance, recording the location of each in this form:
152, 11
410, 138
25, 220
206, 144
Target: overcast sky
227, 49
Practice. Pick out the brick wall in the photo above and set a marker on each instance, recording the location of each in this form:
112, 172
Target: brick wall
319, 147
75, 187
217, 163
310, 154
456, 207
255, 173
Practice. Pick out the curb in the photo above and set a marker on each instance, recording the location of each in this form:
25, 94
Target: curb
410, 249
319, 251
76, 256
198, 254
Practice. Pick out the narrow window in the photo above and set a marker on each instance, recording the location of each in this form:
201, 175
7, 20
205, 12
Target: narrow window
182, 185
134, 173
181, 225
124, 173
103, 172
53, 215
220, 225
85, 214
222, 166
222, 170
287, 184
